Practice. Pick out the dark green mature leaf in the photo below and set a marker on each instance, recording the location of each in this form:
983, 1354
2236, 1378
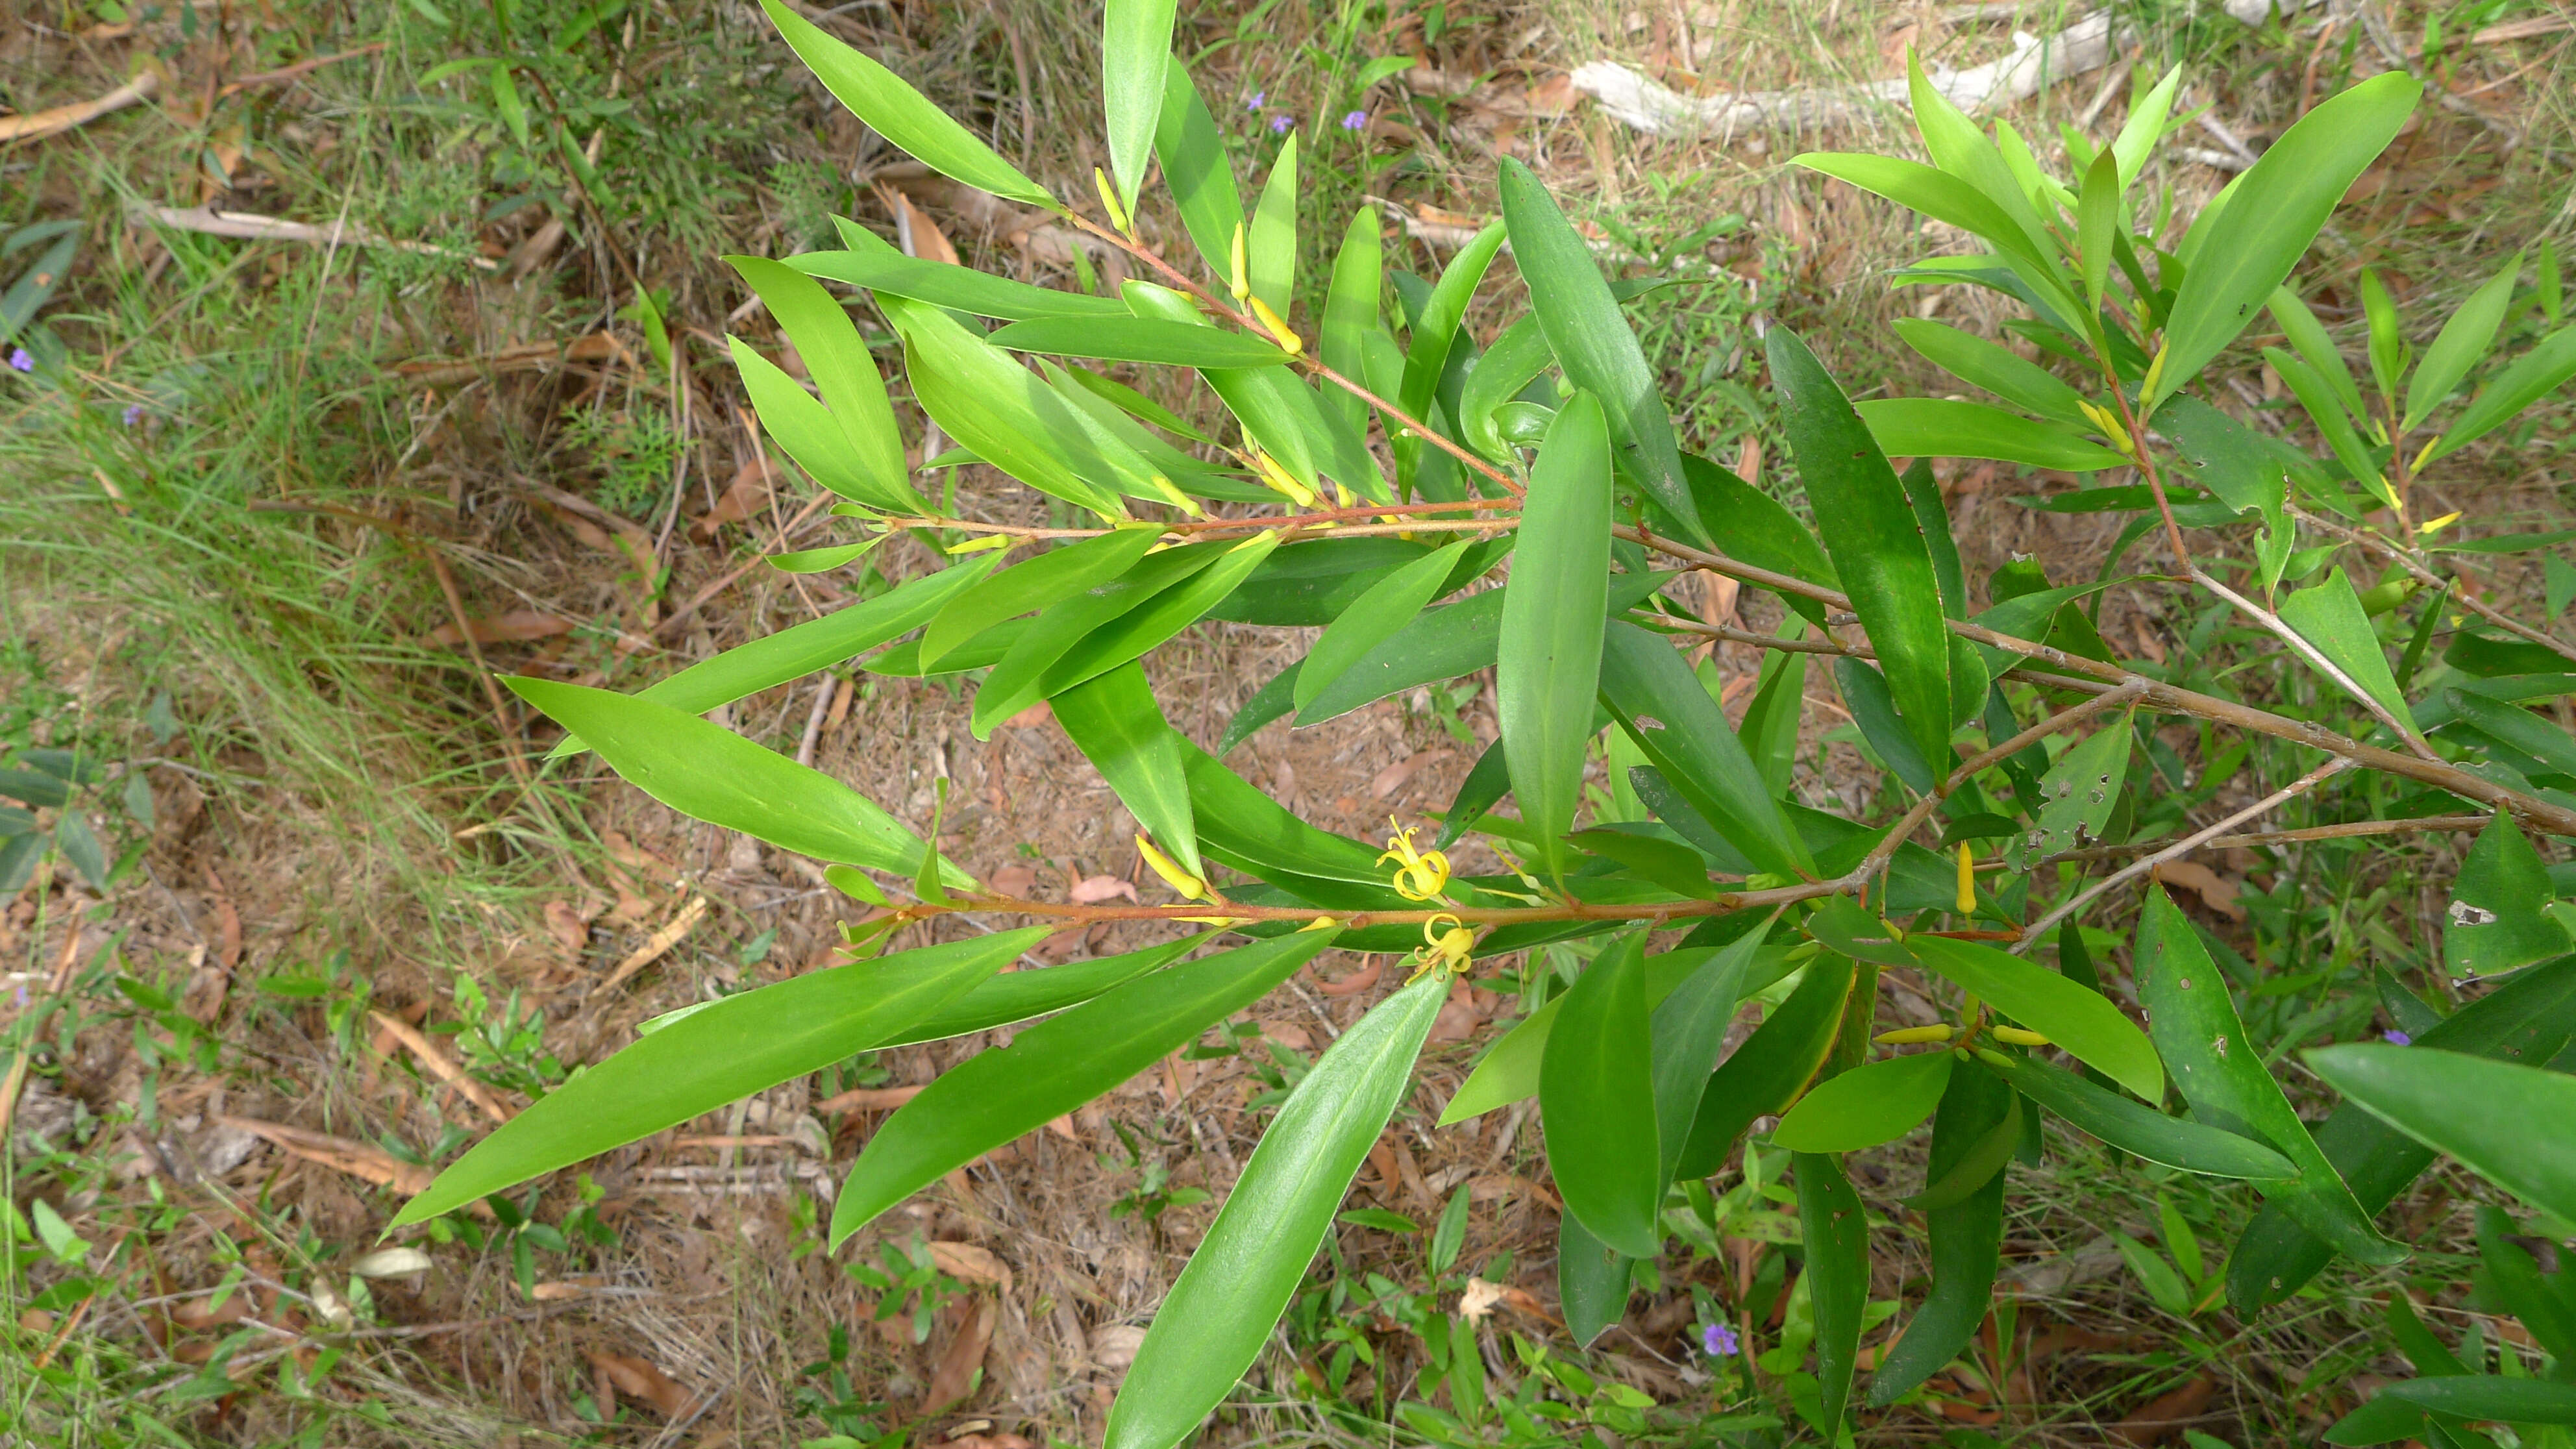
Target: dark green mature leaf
2470, 1396
1689, 1031
1773, 1066
2143, 1131
1270, 702
1136, 631
1592, 1280
1251, 827
708, 772
1592, 342
2223, 1077
1663, 707
1017, 996
1374, 617
1519, 355
1867, 1105
737, 1046
1750, 525
2526, 380
2081, 1021
1113, 719
1140, 339
1036, 583
1510, 1071
901, 114
1548, 661
1051, 1068
1351, 311
1596, 1096
1135, 49
1977, 1163
2244, 250
2329, 615
1220, 1312
1869, 529
1313, 582
2517, 728
39, 282
1770, 732
1280, 412
18, 857
1966, 1235
1873, 710
1005, 413
867, 261
2494, 923
2510, 1278
1930, 427
1997, 369
1836, 1233
2527, 1018
2463, 340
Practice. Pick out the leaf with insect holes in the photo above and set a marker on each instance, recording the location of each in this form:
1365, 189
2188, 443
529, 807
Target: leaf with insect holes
1548, 660
901, 114
1835, 1231
2080, 790
1596, 1100
2495, 923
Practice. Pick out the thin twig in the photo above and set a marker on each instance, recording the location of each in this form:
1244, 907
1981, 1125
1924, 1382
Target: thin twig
2281, 629
55, 986
2345, 831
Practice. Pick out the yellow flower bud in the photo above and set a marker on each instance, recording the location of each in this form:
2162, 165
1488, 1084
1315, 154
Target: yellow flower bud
2437, 525
1109, 200
1242, 274
1278, 478
1910, 1035
2155, 374
2108, 424
984, 544
1967, 880
2015, 1036
1188, 886
1321, 923
2420, 459
1288, 339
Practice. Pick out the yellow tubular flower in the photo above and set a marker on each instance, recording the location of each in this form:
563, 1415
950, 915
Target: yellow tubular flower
2427, 530
1278, 478
1242, 276
1190, 887
1173, 495
1967, 880
2015, 1036
1910, 1035
1419, 875
2108, 424
1109, 200
1289, 341
2418, 465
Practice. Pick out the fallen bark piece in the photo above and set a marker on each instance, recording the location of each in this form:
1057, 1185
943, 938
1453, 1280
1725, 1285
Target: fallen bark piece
660, 942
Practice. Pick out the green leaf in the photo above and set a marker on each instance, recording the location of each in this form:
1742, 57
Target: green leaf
1835, 1232
709, 773
1019, 679
2145, 125
1135, 48
1050, 1069
2462, 342
1136, 631
2388, 347
2142, 1131
1928, 427
2330, 617
1596, 1099
2233, 464
1978, 1113
867, 261
1867, 1105
822, 560
999, 409
1950, 199
1750, 525
1351, 310
2081, 791
2318, 401
2221, 1074
1221, 1310
1280, 412
843, 372
1018, 996
2472, 1396
1662, 706
900, 114
1434, 331
80, 845
1773, 1066
1997, 369
1036, 583
1373, 618
1509, 1071
1873, 710
2526, 380
2241, 253
2514, 727
2098, 223
1196, 170
2164, 1286
2309, 338
1140, 339
29, 787
2494, 923
1450, 1233
740, 1045
2081, 1021
1592, 341
1869, 528
1113, 719
1592, 1280
1958, 147
1770, 731
1519, 355
1270, 246
1249, 826
2475, 1109
1548, 664
1689, 1034
809, 433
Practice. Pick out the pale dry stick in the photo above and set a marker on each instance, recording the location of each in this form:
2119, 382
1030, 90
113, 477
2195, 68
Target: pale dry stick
656, 945
80, 113
2280, 628
813, 736
55, 986
442, 1066
2422, 573
2345, 831
2186, 845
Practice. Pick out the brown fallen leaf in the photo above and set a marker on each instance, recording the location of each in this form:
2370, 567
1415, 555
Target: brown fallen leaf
341, 1155
968, 1263
2164, 1416
526, 357
1015, 880
866, 1099
959, 1369
915, 232
656, 944
441, 1065
228, 927
1391, 779
1030, 718
1358, 981
2217, 891
638, 1379
564, 923
1096, 889
741, 498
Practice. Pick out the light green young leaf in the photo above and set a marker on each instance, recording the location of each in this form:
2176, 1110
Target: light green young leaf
2462, 342
2526, 380
2337, 429
1196, 170
1931, 427
1390, 604
1997, 369
1019, 678
1006, 414
1948, 198
866, 260
2276, 208
1958, 147
2308, 337
1867, 1105
1549, 662
843, 372
808, 433
1270, 248
2388, 349
1221, 1310
2080, 1020
1054, 1067
1116, 723
2494, 923
1436, 330
1140, 339
901, 114
1351, 311
2098, 224
1034, 584
1138, 630
1596, 1097
1135, 48
2145, 125
2479, 1110
2329, 616
735, 1047
1517, 356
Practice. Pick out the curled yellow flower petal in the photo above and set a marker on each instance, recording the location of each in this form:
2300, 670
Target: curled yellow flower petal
1910, 1035
1189, 887
2015, 1036
1419, 875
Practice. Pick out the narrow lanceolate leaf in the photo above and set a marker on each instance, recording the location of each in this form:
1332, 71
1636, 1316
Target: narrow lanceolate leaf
1510, 1071
2223, 1077
2315, 347
1056, 1066
1869, 528
1017, 996
2462, 342
1664, 708
2468, 1396
737, 1046
1018, 680
1270, 242
1114, 720
1592, 341
1596, 1097
1773, 1066
2329, 616
2494, 922
1867, 1105
844, 372
1139, 339
1135, 47
1931, 427
1950, 199
1034, 584
867, 261
2079, 793
2082, 1021
1517, 357
1389, 605
2526, 380
709, 773
1592, 1280
1836, 1234
2173, 1141
1001, 410
2275, 211
1966, 1236
1220, 1312
1351, 311
1436, 330
1689, 1031
807, 433
2483, 1112
1549, 662
1196, 170
1997, 369
2098, 223
1167, 613
901, 114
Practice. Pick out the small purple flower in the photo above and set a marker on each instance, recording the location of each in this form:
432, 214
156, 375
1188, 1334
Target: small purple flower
2396, 1038
1279, 125
1356, 120
21, 359
1719, 1341
1256, 100
133, 414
